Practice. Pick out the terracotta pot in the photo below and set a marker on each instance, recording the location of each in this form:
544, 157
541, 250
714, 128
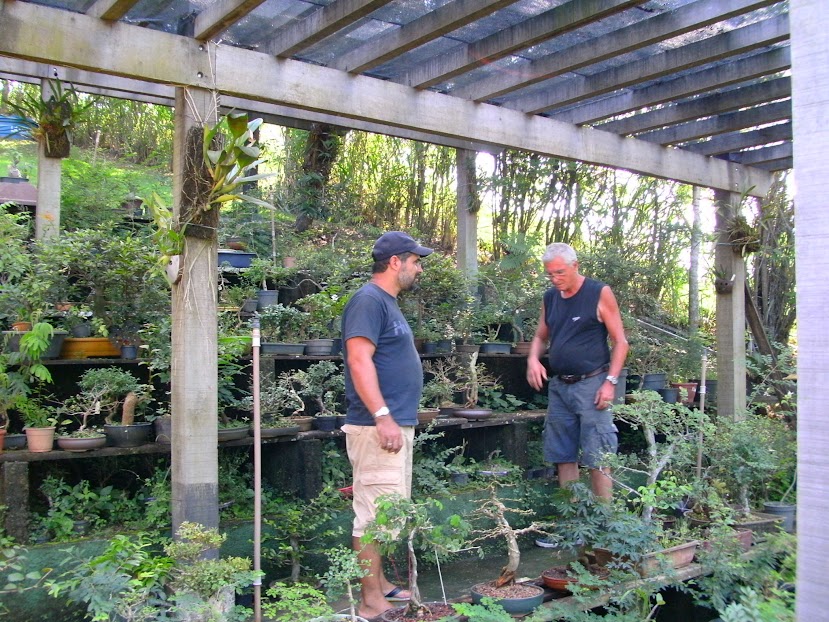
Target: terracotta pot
22, 326
305, 423
40, 440
676, 557
2, 439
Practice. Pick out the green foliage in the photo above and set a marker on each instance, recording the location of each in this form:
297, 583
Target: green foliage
68, 504
282, 324
127, 580
47, 120
237, 153
15, 568
680, 428
295, 601
746, 454
487, 611
430, 463
104, 390
294, 529
322, 383
335, 467
398, 520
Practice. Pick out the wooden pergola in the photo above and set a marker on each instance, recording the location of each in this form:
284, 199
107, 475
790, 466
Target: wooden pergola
702, 92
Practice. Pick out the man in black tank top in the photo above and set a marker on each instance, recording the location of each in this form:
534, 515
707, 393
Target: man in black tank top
578, 317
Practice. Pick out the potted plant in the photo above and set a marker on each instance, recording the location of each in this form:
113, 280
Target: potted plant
515, 598
51, 121
323, 386
39, 424
399, 519
282, 329
324, 309
280, 397
113, 391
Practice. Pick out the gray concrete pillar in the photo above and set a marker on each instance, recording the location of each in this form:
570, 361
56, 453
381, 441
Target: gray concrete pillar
810, 101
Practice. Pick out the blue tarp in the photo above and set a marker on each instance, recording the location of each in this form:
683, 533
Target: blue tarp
13, 127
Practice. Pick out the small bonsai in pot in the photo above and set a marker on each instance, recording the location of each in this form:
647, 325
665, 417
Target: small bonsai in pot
399, 519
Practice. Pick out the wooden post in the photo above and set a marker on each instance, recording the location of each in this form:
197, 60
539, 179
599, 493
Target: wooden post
194, 380
731, 315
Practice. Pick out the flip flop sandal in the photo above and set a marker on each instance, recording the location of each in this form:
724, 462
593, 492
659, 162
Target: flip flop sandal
393, 597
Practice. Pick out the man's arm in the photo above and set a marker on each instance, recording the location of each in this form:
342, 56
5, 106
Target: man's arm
610, 315
360, 352
536, 371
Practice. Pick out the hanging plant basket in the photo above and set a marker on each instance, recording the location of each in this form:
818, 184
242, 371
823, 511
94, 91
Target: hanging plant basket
57, 146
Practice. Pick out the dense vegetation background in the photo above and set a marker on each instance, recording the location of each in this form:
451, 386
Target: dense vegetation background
644, 236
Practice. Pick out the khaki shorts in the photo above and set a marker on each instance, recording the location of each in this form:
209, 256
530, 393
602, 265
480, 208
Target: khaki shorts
376, 472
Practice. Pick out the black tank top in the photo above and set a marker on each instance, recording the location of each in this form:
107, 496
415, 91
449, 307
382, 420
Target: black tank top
578, 340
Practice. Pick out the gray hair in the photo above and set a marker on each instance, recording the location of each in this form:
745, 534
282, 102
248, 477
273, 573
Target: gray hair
559, 249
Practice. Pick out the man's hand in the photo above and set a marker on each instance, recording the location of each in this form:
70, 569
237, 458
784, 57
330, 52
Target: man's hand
536, 373
389, 434
605, 396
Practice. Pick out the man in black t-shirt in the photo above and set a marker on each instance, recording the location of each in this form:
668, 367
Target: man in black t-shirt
383, 384
578, 315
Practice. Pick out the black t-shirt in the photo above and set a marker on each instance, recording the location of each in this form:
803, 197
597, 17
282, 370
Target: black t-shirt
372, 313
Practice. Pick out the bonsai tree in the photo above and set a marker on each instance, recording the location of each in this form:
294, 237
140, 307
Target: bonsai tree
495, 512
671, 433
323, 384
399, 519
441, 386
108, 390
281, 324
294, 527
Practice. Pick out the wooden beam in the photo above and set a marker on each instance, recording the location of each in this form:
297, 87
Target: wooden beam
86, 43
752, 117
561, 19
110, 10
320, 24
628, 39
783, 164
219, 16
705, 106
432, 25
702, 52
164, 95
702, 81
763, 155
742, 140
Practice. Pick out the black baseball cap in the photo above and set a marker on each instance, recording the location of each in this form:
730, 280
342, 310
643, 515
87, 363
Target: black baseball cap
395, 243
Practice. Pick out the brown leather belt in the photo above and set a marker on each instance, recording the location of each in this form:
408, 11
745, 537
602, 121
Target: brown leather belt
568, 379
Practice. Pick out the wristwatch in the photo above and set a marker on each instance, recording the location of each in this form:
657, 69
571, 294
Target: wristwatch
612, 380
382, 412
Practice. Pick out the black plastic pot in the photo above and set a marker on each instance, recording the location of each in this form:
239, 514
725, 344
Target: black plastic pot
133, 435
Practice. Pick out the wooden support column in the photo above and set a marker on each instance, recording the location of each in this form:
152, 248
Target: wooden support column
467, 211
47, 213
194, 393
810, 101
731, 315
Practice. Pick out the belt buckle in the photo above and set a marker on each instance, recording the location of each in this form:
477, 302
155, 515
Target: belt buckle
569, 379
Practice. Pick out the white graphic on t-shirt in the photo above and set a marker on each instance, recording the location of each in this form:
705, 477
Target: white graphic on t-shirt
400, 328
577, 318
